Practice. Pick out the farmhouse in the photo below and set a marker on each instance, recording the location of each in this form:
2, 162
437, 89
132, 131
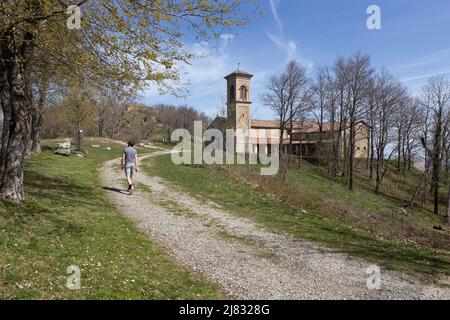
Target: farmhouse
261, 134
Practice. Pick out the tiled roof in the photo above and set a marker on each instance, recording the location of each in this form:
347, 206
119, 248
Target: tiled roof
239, 73
304, 126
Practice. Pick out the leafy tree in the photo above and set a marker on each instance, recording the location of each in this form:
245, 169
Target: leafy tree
133, 41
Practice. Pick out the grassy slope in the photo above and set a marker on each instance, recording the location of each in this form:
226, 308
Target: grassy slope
217, 184
67, 220
396, 191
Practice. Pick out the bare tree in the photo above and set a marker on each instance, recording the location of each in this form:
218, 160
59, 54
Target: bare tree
371, 116
319, 107
276, 98
332, 96
410, 140
288, 96
80, 110
446, 150
299, 92
424, 129
172, 117
437, 93
341, 70
359, 78
389, 97
446, 157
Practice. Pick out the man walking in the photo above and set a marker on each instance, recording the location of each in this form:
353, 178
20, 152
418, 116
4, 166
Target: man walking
129, 164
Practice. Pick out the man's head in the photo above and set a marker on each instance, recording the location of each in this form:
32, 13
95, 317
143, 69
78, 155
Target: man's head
130, 143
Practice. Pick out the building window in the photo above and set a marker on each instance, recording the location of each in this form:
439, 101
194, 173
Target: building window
232, 96
243, 93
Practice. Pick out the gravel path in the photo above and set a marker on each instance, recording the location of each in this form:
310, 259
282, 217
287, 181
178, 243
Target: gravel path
248, 261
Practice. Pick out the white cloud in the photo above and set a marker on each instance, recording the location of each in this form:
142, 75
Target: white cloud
432, 58
278, 38
424, 76
210, 63
291, 49
203, 78
274, 7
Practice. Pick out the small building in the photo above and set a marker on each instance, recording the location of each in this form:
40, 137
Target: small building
306, 135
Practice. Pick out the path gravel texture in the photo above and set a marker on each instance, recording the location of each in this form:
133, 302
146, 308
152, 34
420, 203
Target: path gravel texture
244, 258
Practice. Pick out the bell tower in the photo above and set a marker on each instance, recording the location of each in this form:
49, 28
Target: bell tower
239, 102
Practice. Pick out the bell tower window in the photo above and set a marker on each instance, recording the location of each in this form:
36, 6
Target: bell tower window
244, 93
232, 95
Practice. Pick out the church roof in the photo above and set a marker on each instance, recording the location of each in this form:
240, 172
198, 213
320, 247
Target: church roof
306, 126
218, 123
239, 73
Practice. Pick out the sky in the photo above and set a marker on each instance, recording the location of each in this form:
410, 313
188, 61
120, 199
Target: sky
413, 43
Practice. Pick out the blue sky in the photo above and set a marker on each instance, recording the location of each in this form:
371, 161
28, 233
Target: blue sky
413, 44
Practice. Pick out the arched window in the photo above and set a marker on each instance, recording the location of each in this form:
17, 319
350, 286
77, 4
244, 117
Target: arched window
243, 93
232, 96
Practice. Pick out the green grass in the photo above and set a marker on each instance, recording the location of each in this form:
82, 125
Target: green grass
396, 190
68, 220
241, 198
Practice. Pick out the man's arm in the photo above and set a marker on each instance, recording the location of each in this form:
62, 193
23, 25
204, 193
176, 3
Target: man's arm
136, 162
122, 160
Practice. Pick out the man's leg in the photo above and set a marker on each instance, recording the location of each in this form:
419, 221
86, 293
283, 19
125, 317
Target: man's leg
129, 174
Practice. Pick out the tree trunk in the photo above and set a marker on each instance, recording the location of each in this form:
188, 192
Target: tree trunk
78, 137
101, 125
290, 142
399, 150
409, 157
333, 143
379, 166
351, 157
36, 132
32, 110
368, 153
378, 179
372, 150
6, 107
5, 102
345, 155
38, 114
437, 162
448, 206
446, 158
5, 131
20, 91
340, 149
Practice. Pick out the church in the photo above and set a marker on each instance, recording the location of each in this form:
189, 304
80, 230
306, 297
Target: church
261, 134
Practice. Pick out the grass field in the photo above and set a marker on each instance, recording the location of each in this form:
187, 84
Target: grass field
309, 207
67, 220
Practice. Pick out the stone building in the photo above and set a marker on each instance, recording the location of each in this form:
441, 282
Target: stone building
306, 136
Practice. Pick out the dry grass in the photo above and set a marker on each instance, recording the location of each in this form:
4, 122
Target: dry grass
308, 206
381, 215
